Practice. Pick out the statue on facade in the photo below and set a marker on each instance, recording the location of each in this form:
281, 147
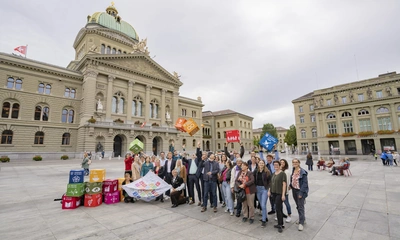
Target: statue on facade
315, 103
167, 115
336, 99
176, 75
93, 48
388, 90
321, 101
99, 148
351, 96
99, 105
369, 93
141, 47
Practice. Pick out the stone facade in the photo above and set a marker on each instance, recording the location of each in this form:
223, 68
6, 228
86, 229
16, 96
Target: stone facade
101, 101
281, 131
215, 125
355, 118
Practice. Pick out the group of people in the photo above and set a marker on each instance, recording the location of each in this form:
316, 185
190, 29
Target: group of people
251, 183
388, 158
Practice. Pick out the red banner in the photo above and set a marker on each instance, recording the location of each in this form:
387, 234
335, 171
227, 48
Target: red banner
232, 136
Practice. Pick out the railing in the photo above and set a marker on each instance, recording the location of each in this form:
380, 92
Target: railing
132, 126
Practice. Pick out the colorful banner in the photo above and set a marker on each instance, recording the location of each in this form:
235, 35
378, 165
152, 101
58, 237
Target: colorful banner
147, 188
268, 142
232, 136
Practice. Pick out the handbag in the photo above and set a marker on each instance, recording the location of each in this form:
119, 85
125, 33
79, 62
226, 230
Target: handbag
241, 195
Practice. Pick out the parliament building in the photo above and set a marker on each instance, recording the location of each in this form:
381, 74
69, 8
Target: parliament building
361, 117
112, 93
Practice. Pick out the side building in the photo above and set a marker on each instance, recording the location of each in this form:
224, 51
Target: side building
215, 125
281, 131
354, 118
112, 93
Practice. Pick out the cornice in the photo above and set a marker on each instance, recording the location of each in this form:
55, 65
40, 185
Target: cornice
102, 31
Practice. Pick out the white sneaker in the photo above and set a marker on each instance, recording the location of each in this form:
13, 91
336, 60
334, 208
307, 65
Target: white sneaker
288, 219
231, 213
166, 198
300, 227
226, 210
276, 219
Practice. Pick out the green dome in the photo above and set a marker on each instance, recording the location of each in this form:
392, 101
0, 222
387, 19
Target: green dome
109, 21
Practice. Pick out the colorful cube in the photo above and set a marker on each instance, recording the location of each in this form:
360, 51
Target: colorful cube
76, 176
97, 175
93, 200
111, 198
71, 202
120, 181
93, 187
191, 127
110, 186
75, 190
136, 146
179, 124
121, 195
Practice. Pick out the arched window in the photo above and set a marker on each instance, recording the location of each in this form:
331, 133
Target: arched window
331, 116
108, 49
218, 125
346, 114
121, 103
224, 124
39, 138
45, 115
224, 134
67, 92
114, 105
133, 108
140, 108
6, 110
231, 123
41, 88
18, 84
15, 110
48, 89
219, 146
151, 110
303, 133
6, 137
119, 51
66, 137
38, 113
314, 132
382, 110
156, 111
194, 142
114, 51
73, 92
183, 142
124, 52
219, 135
363, 112
10, 82
103, 49
67, 116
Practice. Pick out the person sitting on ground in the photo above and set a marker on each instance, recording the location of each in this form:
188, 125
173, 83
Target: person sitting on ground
176, 191
321, 164
127, 180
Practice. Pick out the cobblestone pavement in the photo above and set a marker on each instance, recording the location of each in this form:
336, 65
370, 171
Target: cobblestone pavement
365, 205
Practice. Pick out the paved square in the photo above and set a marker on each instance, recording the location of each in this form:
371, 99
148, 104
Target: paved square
365, 205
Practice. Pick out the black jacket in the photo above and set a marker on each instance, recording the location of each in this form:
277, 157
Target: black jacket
232, 156
214, 173
228, 174
266, 178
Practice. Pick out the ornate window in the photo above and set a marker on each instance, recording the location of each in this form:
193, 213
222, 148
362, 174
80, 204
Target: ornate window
365, 125
344, 100
6, 137
348, 126
384, 123
67, 115
70, 92
332, 128
382, 110
13, 83
363, 112
118, 103
66, 139
139, 108
331, 116
133, 108
303, 133
41, 113
154, 108
39, 138
7, 109
41, 88
346, 114
314, 132
48, 89
379, 94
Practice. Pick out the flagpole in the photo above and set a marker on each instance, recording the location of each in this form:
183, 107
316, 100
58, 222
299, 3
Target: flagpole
26, 52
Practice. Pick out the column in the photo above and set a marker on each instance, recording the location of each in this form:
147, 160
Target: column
162, 107
147, 105
129, 102
175, 108
339, 126
89, 95
395, 122
374, 121
109, 97
356, 127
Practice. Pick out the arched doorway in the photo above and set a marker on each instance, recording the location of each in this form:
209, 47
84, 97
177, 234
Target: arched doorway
143, 140
117, 146
157, 145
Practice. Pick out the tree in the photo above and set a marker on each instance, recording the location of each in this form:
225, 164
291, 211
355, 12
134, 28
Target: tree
291, 137
269, 128
256, 141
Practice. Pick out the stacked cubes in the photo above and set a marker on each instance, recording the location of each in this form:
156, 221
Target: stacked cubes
93, 196
120, 181
110, 190
75, 190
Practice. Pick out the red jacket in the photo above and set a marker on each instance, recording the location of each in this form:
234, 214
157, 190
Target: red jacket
128, 163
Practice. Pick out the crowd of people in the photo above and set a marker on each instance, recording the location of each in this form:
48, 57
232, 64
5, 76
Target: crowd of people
227, 177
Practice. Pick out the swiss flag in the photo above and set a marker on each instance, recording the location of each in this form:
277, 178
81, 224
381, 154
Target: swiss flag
144, 123
21, 49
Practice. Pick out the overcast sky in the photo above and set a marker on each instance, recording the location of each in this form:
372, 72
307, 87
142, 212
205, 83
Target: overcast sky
253, 57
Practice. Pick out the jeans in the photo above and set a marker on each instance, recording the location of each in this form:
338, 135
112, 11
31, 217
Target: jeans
390, 162
86, 171
210, 187
278, 206
287, 204
238, 207
226, 189
299, 205
262, 195
310, 167
221, 193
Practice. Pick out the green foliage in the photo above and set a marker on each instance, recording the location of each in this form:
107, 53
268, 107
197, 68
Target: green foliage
269, 128
291, 137
256, 141
4, 159
37, 158
64, 157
